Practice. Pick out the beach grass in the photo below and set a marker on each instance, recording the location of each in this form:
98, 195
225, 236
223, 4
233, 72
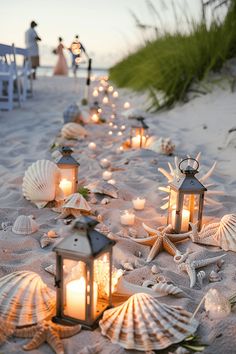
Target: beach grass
168, 66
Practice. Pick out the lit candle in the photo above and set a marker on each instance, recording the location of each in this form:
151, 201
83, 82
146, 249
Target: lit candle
122, 127
126, 105
119, 133
113, 116
95, 118
95, 93
76, 298
110, 88
111, 181
106, 175
99, 110
127, 218
110, 132
139, 203
115, 94
136, 141
92, 146
105, 100
110, 124
100, 89
115, 126
185, 219
105, 163
66, 187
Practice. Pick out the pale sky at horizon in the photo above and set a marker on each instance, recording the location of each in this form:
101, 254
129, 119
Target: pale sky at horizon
106, 27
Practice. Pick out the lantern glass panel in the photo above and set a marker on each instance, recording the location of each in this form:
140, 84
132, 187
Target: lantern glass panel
102, 279
191, 203
74, 289
68, 180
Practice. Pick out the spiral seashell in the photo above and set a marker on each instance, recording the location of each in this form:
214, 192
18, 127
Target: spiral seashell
143, 323
51, 269
214, 277
166, 289
41, 182
154, 269
200, 276
105, 201
25, 225
25, 299
132, 232
148, 283
73, 131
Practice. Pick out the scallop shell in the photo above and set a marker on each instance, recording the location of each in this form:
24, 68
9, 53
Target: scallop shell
41, 182
142, 323
216, 304
77, 201
25, 225
73, 131
25, 299
102, 187
163, 146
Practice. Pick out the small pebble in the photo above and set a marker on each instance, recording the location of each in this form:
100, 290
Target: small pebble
105, 201
154, 269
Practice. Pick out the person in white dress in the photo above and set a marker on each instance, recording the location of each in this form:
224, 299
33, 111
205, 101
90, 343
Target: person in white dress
31, 42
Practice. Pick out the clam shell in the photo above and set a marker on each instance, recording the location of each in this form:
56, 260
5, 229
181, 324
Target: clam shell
77, 201
102, 187
226, 234
25, 225
142, 323
73, 131
25, 299
41, 182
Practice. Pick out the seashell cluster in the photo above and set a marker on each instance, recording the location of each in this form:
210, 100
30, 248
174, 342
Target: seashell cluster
163, 146
25, 225
221, 234
73, 131
72, 114
41, 183
25, 299
142, 323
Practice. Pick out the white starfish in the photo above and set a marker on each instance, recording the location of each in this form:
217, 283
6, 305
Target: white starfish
175, 172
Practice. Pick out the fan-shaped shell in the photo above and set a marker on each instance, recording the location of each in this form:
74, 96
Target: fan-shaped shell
142, 323
77, 201
102, 187
25, 225
41, 182
73, 131
25, 299
226, 234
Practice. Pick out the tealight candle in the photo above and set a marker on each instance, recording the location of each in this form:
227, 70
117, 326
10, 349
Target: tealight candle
106, 175
123, 127
105, 163
110, 124
100, 89
110, 132
139, 203
92, 146
127, 218
126, 105
119, 133
95, 93
136, 140
184, 221
95, 118
113, 116
105, 100
115, 126
110, 88
66, 187
113, 105
99, 110
115, 94
111, 181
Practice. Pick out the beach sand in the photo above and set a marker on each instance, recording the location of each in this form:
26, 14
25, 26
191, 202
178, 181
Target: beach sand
200, 125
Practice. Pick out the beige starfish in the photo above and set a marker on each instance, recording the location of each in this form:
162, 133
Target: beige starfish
47, 331
161, 239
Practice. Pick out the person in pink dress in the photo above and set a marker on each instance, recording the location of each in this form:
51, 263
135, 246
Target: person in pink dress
61, 67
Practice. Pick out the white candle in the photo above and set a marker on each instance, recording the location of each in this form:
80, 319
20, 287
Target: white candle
106, 175
105, 100
100, 89
119, 133
139, 203
113, 116
110, 132
185, 219
76, 298
115, 94
95, 118
95, 93
122, 127
136, 141
92, 146
115, 126
126, 105
66, 187
110, 124
127, 218
99, 110
110, 88
111, 181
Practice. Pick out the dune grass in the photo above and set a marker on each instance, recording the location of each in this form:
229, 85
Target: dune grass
172, 63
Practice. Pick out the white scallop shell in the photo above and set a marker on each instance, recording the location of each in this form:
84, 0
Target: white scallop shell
41, 182
25, 299
77, 201
73, 131
142, 323
102, 187
25, 225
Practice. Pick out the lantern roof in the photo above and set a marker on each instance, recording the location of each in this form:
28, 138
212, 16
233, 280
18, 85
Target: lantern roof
84, 240
188, 183
66, 158
140, 123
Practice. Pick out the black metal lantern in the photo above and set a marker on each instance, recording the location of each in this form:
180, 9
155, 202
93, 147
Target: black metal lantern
83, 274
139, 134
186, 199
69, 171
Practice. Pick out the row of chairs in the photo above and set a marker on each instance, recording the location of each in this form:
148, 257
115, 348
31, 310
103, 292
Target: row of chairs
15, 78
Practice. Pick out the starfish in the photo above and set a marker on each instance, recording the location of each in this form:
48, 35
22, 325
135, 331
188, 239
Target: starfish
191, 266
160, 239
46, 331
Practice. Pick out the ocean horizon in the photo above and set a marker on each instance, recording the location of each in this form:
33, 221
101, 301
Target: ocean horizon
47, 70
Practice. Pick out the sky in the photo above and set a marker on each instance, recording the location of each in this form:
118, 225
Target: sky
106, 27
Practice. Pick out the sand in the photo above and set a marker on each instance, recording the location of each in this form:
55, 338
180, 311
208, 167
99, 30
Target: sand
200, 125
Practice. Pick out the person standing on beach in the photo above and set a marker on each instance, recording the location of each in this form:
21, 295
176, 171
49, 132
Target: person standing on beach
31, 42
76, 48
61, 65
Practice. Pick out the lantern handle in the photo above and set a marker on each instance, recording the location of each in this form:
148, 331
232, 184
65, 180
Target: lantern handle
188, 158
